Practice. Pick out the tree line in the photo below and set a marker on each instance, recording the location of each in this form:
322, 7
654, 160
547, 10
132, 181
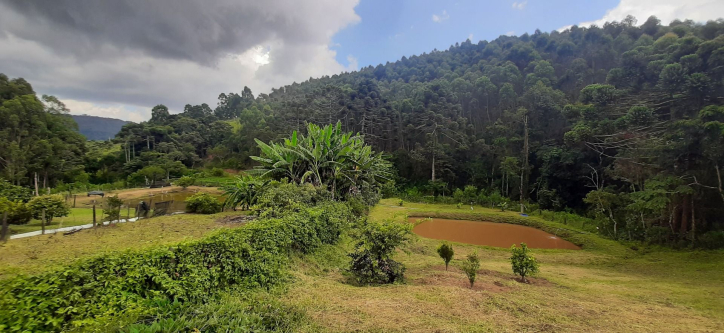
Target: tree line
621, 122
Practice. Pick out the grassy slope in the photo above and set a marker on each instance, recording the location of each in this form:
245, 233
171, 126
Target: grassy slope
33, 254
606, 286
77, 216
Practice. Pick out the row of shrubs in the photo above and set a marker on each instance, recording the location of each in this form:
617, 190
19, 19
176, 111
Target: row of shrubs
93, 291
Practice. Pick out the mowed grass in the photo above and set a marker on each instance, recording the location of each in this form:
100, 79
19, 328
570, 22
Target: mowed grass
77, 216
35, 254
606, 286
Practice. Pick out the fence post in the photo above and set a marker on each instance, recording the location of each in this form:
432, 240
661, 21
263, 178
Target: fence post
128, 211
94, 213
74, 196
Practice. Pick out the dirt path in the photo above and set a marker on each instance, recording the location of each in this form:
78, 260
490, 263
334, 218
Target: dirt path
83, 199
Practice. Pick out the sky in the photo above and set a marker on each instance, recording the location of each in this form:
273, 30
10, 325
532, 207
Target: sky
120, 58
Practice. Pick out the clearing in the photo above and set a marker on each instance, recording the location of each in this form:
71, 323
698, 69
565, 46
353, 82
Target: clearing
605, 286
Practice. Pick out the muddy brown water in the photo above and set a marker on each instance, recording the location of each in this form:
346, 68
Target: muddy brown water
489, 233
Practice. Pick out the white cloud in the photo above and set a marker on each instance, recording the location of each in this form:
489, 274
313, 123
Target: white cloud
664, 10
520, 5
442, 17
124, 80
135, 114
470, 37
510, 33
352, 63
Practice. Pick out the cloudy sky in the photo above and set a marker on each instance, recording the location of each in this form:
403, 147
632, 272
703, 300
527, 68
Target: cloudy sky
120, 58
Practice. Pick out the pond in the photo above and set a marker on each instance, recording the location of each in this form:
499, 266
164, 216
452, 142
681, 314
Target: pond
489, 233
175, 200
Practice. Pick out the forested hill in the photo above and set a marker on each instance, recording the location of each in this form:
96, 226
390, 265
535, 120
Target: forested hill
622, 122
98, 128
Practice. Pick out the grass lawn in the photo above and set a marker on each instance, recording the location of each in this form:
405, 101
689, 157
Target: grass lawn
77, 216
606, 286
34, 254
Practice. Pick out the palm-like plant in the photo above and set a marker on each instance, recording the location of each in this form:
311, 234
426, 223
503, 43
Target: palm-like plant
243, 192
327, 157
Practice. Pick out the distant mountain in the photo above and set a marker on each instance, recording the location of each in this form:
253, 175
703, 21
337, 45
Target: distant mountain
98, 128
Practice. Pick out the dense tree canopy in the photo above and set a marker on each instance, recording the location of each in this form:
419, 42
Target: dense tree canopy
623, 122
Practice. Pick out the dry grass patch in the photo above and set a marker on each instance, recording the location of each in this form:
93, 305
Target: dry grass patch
34, 254
604, 287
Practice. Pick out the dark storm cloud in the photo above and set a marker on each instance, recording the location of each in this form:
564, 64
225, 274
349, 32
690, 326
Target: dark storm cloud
142, 53
195, 30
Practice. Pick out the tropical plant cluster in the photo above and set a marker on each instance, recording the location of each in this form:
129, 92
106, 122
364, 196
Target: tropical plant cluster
95, 291
327, 157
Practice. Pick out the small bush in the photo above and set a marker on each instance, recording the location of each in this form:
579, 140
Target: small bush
112, 208
446, 252
185, 181
470, 266
712, 240
18, 212
524, 264
504, 205
202, 203
217, 172
48, 206
401, 202
281, 197
372, 259
459, 205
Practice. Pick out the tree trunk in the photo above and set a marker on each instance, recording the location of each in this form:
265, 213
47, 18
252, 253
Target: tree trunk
524, 169
718, 175
36, 184
4, 234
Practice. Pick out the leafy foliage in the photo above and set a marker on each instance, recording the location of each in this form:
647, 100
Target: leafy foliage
48, 207
325, 157
470, 267
446, 252
244, 192
112, 208
185, 181
372, 261
202, 203
524, 264
97, 290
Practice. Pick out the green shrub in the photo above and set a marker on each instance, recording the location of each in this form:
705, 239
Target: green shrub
217, 172
48, 207
281, 197
202, 203
524, 264
470, 267
112, 208
18, 212
14, 192
372, 261
712, 240
185, 181
446, 252
105, 288
401, 202
233, 312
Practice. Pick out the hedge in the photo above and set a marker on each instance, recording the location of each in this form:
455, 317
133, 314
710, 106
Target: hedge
97, 289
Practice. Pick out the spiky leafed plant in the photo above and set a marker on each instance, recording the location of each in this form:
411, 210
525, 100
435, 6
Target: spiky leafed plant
327, 157
244, 192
